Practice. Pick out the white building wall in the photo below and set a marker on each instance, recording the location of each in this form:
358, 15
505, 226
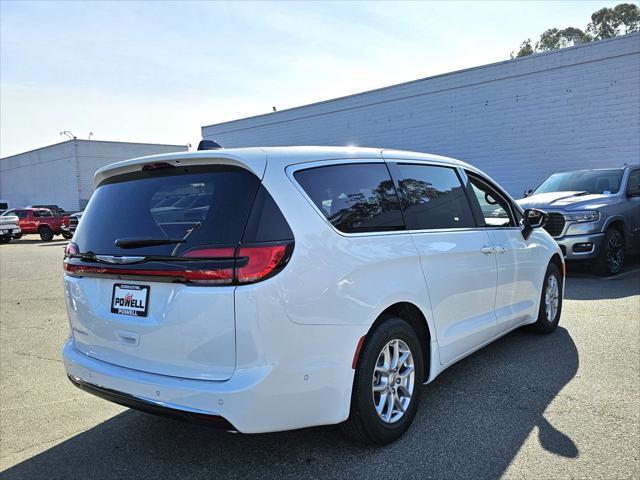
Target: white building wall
62, 174
517, 120
42, 176
95, 154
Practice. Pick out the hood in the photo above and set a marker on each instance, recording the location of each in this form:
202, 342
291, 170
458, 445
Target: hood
566, 201
8, 219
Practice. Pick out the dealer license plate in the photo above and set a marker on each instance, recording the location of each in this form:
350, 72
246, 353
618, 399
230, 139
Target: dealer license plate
130, 300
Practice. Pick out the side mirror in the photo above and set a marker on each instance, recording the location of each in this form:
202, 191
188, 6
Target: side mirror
527, 193
533, 218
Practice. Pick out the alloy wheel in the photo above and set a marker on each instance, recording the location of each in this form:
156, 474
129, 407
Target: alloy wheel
551, 298
615, 253
393, 381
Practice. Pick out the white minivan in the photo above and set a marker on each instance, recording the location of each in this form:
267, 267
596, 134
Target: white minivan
267, 289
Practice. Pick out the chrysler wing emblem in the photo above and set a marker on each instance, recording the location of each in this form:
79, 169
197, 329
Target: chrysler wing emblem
118, 259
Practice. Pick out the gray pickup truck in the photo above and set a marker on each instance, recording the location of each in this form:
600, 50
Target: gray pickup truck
593, 214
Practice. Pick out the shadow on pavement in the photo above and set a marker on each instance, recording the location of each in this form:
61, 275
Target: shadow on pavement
584, 286
472, 421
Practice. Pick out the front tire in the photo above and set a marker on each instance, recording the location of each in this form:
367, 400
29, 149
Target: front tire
386, 387
5, 238
67, 235
46, 234
17, 236
611, 258
550, 302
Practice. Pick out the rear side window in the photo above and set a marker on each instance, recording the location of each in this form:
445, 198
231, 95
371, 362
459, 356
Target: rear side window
42, 214
355, 197
433, 197
266, 222
197, 206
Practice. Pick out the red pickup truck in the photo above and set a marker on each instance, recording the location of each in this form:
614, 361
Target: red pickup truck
40, 221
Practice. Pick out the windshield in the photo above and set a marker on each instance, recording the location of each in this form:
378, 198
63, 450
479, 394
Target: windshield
592, 181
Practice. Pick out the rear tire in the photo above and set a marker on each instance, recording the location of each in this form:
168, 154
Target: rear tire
380, 371
550, 302
611, 258
46, 234
17, 236
5, 238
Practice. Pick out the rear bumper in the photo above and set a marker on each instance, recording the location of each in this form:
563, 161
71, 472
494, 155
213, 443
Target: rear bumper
581, 247
264, 398
149, 406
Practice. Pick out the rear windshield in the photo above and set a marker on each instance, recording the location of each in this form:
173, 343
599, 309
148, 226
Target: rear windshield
203, 205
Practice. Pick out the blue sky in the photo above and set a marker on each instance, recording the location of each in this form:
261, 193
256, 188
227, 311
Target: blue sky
158, 71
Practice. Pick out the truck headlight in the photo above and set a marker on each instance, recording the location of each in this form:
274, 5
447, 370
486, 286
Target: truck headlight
590, 216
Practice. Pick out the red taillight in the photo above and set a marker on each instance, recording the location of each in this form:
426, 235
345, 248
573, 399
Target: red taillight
222, 275
252, 263
262, 261
66, 220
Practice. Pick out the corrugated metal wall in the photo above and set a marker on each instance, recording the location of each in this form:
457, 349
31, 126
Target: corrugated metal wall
62, 174
517, 120
43, 176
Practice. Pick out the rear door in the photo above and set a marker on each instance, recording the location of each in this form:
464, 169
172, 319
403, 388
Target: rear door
457, 258
151, 288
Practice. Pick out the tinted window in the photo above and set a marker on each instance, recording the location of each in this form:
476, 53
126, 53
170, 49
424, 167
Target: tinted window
266, 222
17, 213
211, 205
354, 198
495, 209
433, 197
42, 213
633, 184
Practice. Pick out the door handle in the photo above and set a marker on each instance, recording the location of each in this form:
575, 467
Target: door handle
487, 250
500, 249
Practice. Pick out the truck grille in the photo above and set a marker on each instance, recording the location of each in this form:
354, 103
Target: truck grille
73, 223
554, 224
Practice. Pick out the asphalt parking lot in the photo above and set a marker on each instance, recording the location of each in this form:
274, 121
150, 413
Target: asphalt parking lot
565, 405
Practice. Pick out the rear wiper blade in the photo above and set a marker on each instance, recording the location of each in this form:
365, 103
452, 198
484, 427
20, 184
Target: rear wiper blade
137, 242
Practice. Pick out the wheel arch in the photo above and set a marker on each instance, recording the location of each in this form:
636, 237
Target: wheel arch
619, 224
414, 316
558, 262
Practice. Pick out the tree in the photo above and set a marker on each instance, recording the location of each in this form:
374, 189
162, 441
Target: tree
553, 39
628, 14
605, 23
525, 49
